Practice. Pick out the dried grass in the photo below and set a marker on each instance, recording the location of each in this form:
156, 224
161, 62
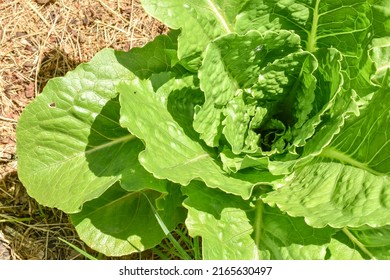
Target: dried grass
39, 42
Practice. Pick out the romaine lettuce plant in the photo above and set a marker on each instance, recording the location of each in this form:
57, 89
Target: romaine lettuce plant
263, 125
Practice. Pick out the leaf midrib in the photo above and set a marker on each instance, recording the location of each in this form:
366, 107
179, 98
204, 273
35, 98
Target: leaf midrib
312, 40
109, 204
219, 16
116, 141
333, 153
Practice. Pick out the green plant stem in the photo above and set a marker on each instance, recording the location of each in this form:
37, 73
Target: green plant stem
312, 40
358, 243
258, 224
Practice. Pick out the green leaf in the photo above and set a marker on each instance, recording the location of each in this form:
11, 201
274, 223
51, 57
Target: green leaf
376, 240
272, 117
232, 228
69, 140
364, 141
170, 153
55, 131
181, 97
241, 74
219, 87
288, 238
329, 82
381, 20
335, 194
380, 54
233, 163
221, 220
348, 183
120, 222
200, 22
341, 248
346, 26
156, 57
374, 237
320, 24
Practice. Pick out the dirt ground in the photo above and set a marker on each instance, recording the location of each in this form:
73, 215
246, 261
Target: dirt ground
39, 40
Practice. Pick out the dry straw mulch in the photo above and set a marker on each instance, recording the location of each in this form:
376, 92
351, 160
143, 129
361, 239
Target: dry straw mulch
40, 40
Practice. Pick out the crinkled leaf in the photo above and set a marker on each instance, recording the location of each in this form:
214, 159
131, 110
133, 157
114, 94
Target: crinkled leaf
335, 194
345, 25
319, 23
220, 79
120, 222
240, 74
329, 82
232, 163
348, 183
170, 153
219, 218
246, 231
181, 96
287, 238
200, 22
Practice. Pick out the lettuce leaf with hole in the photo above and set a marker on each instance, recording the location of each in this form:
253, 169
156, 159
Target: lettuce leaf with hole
72, 151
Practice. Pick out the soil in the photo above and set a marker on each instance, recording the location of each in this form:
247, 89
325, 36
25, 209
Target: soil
40, 40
